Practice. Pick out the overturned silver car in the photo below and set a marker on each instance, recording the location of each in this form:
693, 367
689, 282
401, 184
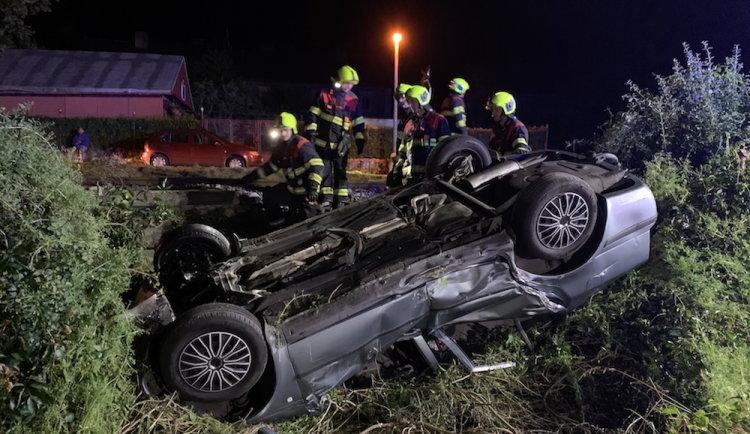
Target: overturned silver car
267, 326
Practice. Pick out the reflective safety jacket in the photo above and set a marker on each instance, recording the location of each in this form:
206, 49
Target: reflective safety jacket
332, 113
510, 136
421, 135
403, 120
299, 163
454, 110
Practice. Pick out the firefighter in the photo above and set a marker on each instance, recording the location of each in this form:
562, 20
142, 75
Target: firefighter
295, 157
421, 134
394, 177
509, 135
333, 113
453, 106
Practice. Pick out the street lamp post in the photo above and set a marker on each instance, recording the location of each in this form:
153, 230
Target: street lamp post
396, 40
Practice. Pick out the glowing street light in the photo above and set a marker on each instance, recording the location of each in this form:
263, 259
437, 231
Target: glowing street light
396, 40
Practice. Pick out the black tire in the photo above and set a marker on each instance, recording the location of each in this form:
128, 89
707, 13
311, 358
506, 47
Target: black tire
438, 162
241, 160
194, 331
156, 156
542, 235
202, 237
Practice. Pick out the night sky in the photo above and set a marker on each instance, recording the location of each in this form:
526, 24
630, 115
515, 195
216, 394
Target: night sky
566, 62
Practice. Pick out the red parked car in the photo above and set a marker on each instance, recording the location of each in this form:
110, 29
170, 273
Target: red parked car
187, 147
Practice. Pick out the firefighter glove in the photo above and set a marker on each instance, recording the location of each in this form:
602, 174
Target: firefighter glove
312, 195
360, 146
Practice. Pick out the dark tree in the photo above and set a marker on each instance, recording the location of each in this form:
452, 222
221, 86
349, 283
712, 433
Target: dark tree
14, 32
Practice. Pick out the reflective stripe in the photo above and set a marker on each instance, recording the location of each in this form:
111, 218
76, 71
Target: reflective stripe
327, 190
359, 121
520, 141
312, 126
314, 110
346, 125
316, 162
296, 190
333, 119
458, 109
342, 192
441, 138
400, 135
322, 143
359, 136
446, 113
300, 170
461, 123
316, 178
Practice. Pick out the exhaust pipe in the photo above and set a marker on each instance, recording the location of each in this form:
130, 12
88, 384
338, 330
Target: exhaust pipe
505, 168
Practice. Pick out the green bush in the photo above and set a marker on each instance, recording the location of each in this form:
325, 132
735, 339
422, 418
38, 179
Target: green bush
121, 134
700, 108
65, 355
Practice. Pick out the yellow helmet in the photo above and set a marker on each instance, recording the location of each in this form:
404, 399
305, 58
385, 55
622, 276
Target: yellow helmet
347, 74
401, 89
458, 85
504, 100
420, 93
285, 121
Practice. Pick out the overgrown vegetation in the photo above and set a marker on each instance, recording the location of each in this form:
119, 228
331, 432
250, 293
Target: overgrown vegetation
67, 254
703, 106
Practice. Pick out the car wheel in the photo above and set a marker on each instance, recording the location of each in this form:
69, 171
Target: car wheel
159, 160
449, 158
186, 254
553, 216
213, 353
235, 161
187, 240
